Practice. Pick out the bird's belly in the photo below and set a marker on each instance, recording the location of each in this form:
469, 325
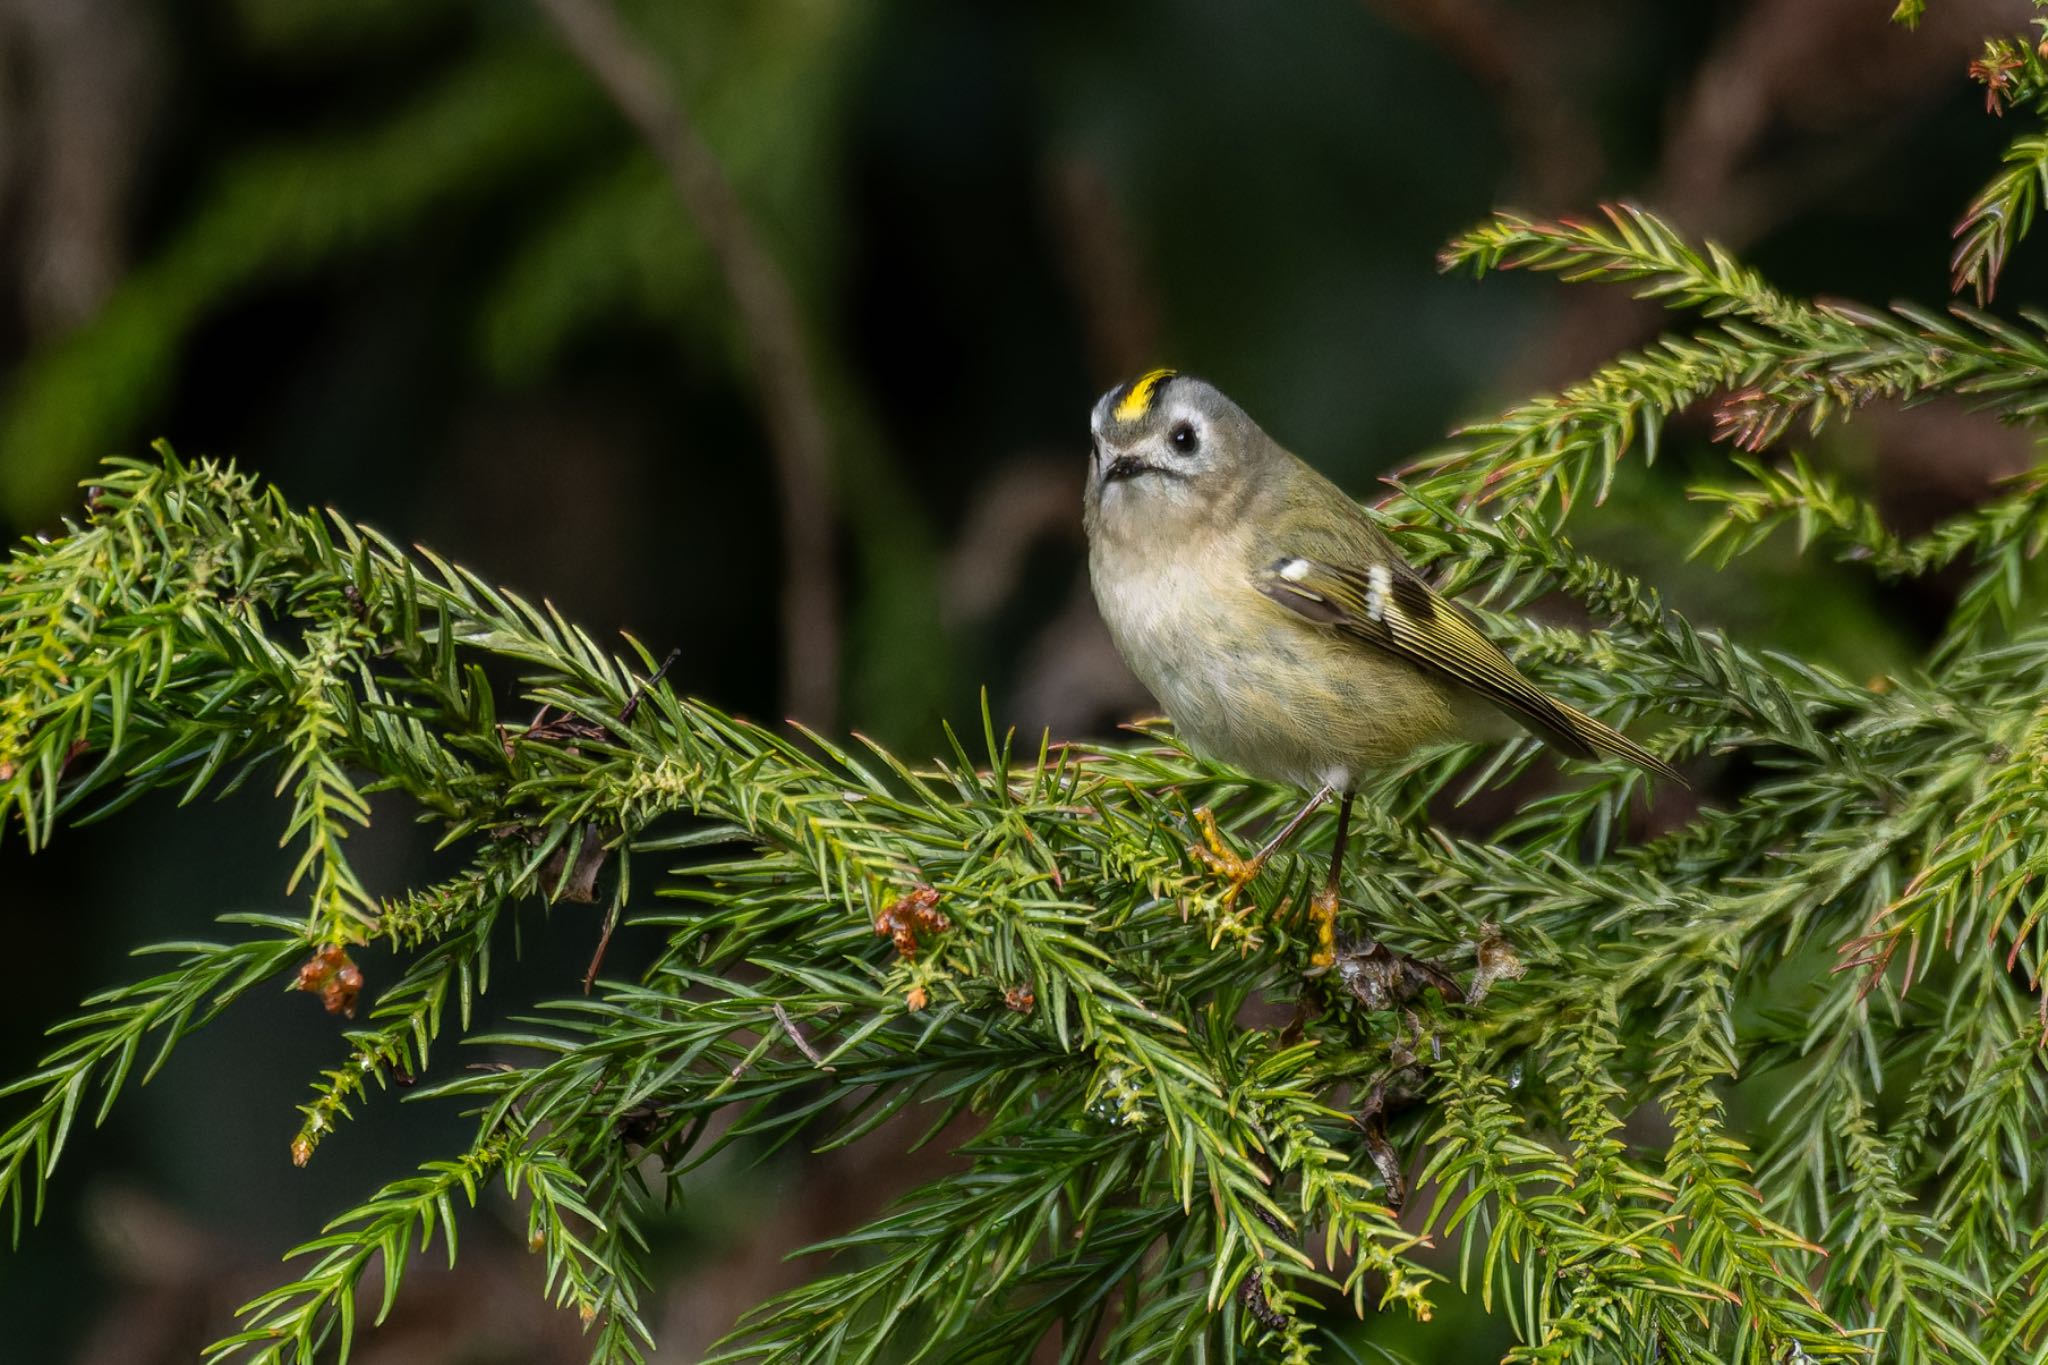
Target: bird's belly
1260, 689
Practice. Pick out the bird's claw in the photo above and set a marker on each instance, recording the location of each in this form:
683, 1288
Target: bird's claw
1220, 859
1322, 917
1236, 871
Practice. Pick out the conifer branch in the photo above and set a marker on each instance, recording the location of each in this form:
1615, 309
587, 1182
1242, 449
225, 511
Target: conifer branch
1016, 938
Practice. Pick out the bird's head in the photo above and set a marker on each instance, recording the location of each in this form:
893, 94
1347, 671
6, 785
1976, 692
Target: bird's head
1170, 450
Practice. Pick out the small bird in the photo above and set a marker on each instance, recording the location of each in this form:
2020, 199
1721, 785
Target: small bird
1278, 625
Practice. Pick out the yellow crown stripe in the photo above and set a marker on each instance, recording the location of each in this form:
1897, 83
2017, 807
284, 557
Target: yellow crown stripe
1138, 400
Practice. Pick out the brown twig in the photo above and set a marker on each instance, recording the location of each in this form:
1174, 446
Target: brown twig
798, 435
648, 684
604, 943
580, 881
803, 1044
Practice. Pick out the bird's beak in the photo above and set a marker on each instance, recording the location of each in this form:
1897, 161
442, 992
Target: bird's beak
1124, 467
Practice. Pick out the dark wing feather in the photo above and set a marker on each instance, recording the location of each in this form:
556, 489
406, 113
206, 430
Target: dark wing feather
1388, 607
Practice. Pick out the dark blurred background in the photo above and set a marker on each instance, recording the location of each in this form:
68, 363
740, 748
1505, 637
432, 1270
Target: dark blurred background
409, 257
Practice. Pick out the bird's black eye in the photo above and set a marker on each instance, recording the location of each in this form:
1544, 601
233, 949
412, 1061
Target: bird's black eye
1183, 437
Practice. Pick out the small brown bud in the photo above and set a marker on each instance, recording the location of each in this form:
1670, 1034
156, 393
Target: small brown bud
339, 996
903, 918
334, 978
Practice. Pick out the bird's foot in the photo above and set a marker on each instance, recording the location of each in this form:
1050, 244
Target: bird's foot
1236, 871
1322, 917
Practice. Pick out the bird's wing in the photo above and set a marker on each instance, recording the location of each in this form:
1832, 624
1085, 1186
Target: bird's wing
1384, 604
1347, 575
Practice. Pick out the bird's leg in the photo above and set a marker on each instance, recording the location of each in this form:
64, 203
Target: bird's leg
1217, 856
1322, 908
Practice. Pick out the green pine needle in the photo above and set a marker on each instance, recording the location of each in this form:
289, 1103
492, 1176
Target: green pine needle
1765, 1088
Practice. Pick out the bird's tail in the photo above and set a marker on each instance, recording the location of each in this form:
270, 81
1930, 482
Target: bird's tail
1586, 737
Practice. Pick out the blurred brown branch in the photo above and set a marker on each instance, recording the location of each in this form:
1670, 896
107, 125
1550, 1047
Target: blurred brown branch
1791, 102
79, 84
774, 331
1798, 98
1112, 292
1558, 159
1070, 678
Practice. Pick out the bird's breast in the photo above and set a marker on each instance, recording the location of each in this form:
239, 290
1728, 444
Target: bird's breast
1253, 684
